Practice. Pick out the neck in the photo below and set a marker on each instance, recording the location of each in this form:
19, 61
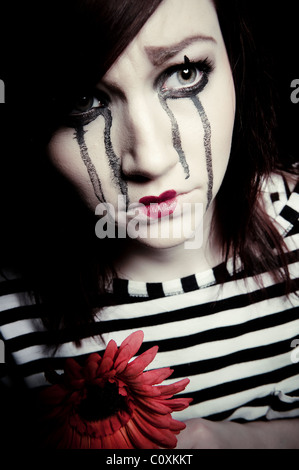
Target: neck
141, 262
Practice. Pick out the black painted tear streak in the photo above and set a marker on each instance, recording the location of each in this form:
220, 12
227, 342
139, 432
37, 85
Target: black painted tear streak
207, 146
114, 160
176, 138
92, 172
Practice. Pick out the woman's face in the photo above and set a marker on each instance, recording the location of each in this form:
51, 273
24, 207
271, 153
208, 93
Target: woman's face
159, 123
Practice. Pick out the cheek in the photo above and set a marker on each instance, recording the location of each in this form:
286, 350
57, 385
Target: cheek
191, 131
102, 163
64, 153
222, 117
206, 122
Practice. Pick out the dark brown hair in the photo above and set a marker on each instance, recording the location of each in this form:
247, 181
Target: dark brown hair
62, 259
245, 227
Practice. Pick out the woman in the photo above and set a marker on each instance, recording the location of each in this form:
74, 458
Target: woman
147, 113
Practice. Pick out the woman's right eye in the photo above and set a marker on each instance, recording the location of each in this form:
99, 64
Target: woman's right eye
86, 102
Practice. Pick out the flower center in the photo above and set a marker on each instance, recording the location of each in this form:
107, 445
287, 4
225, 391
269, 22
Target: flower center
101, 402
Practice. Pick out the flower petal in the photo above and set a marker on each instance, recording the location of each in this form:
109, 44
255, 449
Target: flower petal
74, 374
115, 441
95, 443
68, 438
85, 442
78, 424
154, 404
165, 391
150, 377
148, 391
90, 371
128, 348
161, 437
172, 389
134, 340
155, 376
176, 404
105, 366
123, 359
129, 444
111, 350
145, 422
138, 439
162, 421
73, 369
54, 394
107, 426
141, 362
91, 365
116, 422
121, 440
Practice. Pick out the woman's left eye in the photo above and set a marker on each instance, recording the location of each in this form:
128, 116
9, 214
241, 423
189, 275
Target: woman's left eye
84, 103
187, 78
89, 101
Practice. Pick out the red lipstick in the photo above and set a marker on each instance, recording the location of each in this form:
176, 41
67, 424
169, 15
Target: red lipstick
157, 207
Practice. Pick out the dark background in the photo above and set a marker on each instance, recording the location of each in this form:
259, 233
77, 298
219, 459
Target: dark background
276, 26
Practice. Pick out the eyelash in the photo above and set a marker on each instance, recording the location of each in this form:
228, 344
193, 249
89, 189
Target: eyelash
203, 67
85, 117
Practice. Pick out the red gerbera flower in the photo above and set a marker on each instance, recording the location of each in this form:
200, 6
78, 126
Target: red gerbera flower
111, 403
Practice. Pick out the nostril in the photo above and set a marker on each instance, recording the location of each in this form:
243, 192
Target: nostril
139, 179
134, 177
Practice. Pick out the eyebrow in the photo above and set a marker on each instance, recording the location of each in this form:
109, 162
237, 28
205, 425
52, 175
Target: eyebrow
159, 55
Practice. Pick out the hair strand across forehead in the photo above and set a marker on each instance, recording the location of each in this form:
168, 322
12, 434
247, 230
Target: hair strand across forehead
96, 32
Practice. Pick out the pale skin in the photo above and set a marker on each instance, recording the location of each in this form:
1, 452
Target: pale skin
204, 434
143, 145
141, 134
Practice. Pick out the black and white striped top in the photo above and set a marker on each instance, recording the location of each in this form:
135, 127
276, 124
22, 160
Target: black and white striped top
236, 346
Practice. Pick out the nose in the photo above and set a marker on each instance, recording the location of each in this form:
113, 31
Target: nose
147, 148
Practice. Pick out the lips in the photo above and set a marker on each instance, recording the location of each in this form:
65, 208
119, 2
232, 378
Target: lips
158, 199
157, 207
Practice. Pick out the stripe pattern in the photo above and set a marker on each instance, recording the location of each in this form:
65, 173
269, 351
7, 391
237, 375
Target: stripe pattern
233, 340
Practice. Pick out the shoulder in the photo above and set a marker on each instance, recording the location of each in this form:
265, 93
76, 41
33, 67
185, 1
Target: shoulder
16, 304
12, 287
280, 196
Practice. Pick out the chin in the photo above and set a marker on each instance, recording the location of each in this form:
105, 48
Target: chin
160, 244
164, 243
163, 235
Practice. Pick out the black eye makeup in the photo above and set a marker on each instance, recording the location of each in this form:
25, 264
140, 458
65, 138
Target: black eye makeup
85, 103
94, 99
185, 80
86, 108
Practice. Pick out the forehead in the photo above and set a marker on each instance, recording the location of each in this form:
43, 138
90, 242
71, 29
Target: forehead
175, 26
174, 20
